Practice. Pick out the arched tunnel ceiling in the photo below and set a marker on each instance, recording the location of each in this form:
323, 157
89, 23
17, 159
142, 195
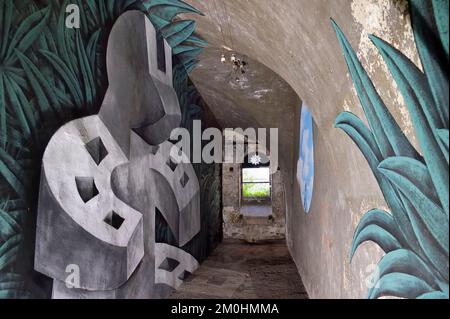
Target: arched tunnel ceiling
260, 99
295, 39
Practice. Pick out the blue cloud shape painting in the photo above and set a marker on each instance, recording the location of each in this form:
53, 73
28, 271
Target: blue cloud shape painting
305, 164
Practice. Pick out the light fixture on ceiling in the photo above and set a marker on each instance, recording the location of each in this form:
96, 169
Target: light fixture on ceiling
238, 65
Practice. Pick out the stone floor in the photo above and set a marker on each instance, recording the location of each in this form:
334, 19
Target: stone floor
237, 270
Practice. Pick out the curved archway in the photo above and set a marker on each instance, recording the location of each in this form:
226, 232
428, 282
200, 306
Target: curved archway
295, 41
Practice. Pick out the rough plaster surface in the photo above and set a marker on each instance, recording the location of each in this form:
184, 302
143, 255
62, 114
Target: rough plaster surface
296, 41
108, 230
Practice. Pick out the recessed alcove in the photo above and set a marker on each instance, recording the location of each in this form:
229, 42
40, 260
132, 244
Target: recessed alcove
97, 150
86, 188
114, 220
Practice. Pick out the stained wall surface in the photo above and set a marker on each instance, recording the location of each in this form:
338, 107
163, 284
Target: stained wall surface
295, 40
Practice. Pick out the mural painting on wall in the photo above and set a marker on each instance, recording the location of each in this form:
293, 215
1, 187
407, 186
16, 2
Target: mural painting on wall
414, 234
305, 163
51, 75
103, 179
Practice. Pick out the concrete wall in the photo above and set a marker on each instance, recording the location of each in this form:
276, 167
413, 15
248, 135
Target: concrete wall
238, 225
295, 39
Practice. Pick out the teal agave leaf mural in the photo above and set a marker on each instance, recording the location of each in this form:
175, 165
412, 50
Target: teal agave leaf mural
179, 34
49, 75
415, 235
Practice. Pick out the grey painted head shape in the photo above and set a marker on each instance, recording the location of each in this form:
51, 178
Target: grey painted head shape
140, 96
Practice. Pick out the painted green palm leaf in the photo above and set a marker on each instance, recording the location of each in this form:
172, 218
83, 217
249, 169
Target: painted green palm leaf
158, 22
15, 208
388, 135
398, 284
440, 9
430, 31
99, 11
433, 295
16, 39
413, 180
13, 174
380, 227
365, 140
187, 51
196, 41
168, 9
431, 229
415, 237
68, 77
15, 139
64, 40
46, 98
406, 262
6, 19
9, 225
9, 250
443, 141
26, 34
11, 286
24, 110
4, 128
74, 62
179, 34
86, 71
91, 49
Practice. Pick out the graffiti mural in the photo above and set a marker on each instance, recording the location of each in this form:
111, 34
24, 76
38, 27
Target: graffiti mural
305, 164
414, 235
51, 75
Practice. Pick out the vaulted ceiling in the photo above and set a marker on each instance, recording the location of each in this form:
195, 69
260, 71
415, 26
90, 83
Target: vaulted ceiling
260, 99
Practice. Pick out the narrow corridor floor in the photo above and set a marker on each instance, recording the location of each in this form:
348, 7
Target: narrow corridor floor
237, 270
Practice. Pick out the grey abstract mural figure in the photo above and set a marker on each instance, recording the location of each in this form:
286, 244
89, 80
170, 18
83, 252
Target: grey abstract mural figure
105, 177
305, 163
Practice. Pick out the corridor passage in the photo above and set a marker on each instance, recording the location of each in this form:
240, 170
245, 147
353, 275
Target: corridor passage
239, 270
